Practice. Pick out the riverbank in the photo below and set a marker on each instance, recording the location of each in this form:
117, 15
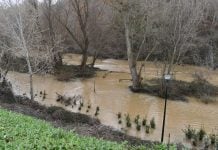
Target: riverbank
181, 90
58, 117
39, 134
81, 124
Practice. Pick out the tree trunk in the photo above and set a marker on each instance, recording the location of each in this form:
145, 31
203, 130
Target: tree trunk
211, 57
58, 59
31, 87
172, 60
84, 59
94, 59
26, 51
131, 60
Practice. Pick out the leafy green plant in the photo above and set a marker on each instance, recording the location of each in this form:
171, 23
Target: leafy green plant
14, 128
41, 135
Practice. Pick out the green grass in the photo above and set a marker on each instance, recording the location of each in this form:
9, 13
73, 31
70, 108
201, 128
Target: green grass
22, 132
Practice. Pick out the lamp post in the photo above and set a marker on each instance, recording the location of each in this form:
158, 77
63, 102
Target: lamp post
167, 77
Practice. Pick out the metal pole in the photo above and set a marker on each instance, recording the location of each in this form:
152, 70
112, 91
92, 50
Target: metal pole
164, 115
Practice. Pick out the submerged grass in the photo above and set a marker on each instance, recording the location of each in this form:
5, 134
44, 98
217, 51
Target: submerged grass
22, 132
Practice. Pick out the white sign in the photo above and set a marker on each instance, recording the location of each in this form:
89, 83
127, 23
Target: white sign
167, 76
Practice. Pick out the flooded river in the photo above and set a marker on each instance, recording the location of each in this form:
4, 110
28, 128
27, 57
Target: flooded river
113, 96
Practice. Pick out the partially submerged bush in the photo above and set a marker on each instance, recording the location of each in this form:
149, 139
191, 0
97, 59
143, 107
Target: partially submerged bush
147, 129
138, 127
128, 121
137, 119
152, 123
189, 132
201, 134
212, 139
144, 121
119, 115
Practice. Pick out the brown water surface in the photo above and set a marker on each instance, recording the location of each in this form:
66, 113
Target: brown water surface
113, 96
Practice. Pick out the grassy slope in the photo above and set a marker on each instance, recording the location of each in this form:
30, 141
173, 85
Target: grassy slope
22, 132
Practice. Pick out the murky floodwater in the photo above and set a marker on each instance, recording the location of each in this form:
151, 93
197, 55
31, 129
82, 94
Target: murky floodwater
113, 96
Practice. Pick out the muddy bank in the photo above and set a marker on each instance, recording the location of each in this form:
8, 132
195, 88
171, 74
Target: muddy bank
68, 72
180, 90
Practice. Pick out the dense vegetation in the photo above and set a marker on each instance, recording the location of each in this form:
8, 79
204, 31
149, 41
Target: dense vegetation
22, 132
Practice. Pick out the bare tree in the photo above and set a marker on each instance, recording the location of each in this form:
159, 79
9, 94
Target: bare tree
179, 23
34, 8
136, 24
54, 40
99, 27
78, 29
25, 39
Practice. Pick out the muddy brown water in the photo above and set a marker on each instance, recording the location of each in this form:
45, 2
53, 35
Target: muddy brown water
113, 96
